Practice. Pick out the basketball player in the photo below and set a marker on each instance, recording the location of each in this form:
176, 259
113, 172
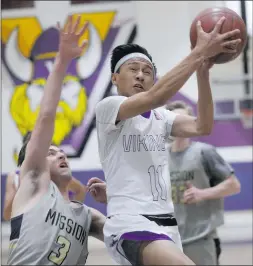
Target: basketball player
76, 189
46, 228
200, 179
140, 228
77, 192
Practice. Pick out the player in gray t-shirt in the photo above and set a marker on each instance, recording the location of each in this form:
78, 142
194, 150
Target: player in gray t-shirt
46, 227
200, 179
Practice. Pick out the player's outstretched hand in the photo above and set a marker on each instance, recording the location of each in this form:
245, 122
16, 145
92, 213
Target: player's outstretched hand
97, 189
214, 43
69, 38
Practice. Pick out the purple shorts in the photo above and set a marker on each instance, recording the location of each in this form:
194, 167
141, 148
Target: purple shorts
131, 242
144, 236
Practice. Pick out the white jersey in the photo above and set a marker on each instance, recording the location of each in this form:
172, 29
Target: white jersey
134, 159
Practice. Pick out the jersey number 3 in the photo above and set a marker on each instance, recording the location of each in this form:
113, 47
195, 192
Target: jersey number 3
60, 256
158, 185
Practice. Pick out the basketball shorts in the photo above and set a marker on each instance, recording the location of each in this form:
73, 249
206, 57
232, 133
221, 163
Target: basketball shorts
125, 233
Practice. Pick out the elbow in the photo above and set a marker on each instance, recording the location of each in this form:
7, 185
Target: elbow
235, 185
204, 131
204, 128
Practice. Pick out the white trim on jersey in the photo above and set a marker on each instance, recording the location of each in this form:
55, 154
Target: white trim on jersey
130, 56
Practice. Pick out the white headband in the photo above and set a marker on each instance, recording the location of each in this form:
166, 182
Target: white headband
130, 56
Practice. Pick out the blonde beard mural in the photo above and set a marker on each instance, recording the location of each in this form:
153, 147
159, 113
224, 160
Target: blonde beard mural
70, 112
28, 53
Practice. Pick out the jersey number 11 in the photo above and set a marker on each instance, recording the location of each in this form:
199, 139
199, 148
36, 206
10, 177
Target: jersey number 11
157, 182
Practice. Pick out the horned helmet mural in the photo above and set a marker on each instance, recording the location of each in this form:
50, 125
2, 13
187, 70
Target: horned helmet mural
28, 55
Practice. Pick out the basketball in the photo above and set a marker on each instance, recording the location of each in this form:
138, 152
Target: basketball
209, 17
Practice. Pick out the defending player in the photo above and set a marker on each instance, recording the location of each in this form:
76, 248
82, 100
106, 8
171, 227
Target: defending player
140, 228
76, 189
200, 179
77, 192
46, 228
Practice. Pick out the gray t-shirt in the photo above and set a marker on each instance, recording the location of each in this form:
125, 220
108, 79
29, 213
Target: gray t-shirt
203, 167
54, 232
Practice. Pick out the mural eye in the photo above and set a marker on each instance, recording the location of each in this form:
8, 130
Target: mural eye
70, 93
34, 94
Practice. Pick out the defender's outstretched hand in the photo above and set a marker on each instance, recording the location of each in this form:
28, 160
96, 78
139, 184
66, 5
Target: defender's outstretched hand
69, 37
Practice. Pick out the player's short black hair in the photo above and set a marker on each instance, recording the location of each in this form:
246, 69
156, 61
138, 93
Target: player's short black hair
21, 155
125, 49
180, 105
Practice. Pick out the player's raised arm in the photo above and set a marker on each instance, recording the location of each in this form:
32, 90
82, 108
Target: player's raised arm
142, 72
186, 126
37, 147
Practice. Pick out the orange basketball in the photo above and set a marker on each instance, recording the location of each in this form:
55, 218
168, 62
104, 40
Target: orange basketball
209, 17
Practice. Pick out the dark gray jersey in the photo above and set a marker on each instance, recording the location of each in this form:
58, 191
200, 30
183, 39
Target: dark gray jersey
54, 232
202, 166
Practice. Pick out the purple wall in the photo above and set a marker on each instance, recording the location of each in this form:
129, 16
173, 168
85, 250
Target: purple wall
226, 133
242, 201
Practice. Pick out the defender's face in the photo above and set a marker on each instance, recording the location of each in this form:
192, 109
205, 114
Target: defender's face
58, 164
135, 75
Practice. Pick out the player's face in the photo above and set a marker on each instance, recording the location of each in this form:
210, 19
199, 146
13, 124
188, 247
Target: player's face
135, 75
58, 163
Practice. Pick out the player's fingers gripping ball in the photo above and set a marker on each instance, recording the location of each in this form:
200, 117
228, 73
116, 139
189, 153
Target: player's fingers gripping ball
209, 18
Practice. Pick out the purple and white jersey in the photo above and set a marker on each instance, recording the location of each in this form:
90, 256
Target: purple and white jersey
134, 159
